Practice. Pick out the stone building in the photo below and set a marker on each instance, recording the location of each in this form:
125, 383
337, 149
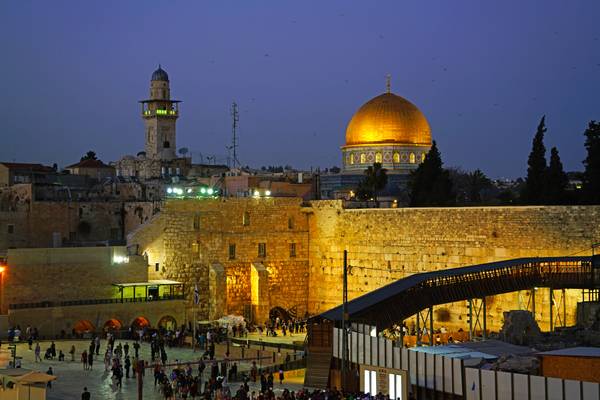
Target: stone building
159, 158
249, 255
388, 129
85, 289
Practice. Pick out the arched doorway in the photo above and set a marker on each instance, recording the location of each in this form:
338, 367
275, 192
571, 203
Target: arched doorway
140, 323
282, 313
168, 323
82, 327
112, 325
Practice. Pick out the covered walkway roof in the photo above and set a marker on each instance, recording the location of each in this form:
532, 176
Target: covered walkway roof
399, 300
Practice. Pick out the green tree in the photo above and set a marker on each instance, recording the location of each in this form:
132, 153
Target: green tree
477, 182
430, 183
591, 175
534, 189
90, 155
556, 180
374, 181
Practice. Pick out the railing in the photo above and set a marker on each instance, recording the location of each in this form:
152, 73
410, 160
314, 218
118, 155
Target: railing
68, 303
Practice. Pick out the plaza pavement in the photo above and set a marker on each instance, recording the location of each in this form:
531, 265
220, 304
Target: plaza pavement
71, 378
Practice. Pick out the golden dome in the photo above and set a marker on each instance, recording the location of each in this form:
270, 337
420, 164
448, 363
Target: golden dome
388, 118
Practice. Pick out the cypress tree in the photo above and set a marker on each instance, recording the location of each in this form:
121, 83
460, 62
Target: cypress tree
591, 175
556, 180
533, 191
430, 183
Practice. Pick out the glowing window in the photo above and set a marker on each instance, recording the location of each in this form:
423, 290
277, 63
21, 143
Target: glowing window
396, 157
422, 157
411, 158
351, 159
363, 158
246, 219
378, 157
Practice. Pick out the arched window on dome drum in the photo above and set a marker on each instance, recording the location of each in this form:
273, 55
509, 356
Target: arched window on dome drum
378, 157
422, 157
351, 159
363, 158
396, 157
411, 158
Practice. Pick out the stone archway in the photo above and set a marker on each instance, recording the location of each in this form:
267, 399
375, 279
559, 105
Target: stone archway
167, 322
140, 323
82, 327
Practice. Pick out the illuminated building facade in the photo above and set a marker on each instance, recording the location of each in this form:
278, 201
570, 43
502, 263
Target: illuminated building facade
388, 129
159, 159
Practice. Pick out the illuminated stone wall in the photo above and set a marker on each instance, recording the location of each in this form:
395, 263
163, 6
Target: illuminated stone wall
388, 244
65, 274
384, 245
190, 235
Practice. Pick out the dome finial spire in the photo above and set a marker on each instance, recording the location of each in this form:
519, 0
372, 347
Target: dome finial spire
388, 83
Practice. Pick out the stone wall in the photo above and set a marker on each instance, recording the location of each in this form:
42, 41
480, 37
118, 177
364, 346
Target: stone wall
387, 244
190, 235
65, 274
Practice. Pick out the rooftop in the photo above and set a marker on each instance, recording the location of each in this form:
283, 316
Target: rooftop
574, 352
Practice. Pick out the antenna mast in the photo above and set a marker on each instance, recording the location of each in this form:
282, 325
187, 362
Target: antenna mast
234, 126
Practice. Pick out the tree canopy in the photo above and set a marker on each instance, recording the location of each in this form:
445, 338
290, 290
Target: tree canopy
591, 175
430, 183
533, 191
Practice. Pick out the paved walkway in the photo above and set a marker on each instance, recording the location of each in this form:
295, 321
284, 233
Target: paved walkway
72, 378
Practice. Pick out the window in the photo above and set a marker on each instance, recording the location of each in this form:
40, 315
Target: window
166, 144
197, 222
262, 250
162, 170
10, 228
378, 157
422, 157
290, 223
411, 158
363, 158
292, 250
395, 390
246, 218
396, 157
156, 267
195, 248
232, 251
170, 171
177, 171
370, 382
351, 159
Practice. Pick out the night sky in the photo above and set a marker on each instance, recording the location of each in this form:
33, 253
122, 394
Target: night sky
483, 73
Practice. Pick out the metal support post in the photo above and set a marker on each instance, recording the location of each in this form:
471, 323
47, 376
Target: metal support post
564, 294
470, 319
551, 309
345, 321
533, 302
431, 325
484, 305
418, 329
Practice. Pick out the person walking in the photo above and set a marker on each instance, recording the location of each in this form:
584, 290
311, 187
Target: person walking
90, 360
49, 372
97, 342
281, 376
37, 351
84, 360
86, 395
127, 366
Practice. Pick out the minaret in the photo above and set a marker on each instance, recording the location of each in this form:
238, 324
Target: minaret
160, 115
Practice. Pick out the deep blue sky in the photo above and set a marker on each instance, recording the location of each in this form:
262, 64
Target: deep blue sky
483, 72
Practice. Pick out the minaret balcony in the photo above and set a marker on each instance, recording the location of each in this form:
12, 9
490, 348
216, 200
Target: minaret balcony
165, 113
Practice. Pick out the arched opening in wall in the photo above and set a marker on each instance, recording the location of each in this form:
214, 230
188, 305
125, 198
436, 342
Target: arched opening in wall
282, 314
168, 323
82, 327
140, 323
112, 325
166, 144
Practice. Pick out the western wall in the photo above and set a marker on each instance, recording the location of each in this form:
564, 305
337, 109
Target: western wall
190, 241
